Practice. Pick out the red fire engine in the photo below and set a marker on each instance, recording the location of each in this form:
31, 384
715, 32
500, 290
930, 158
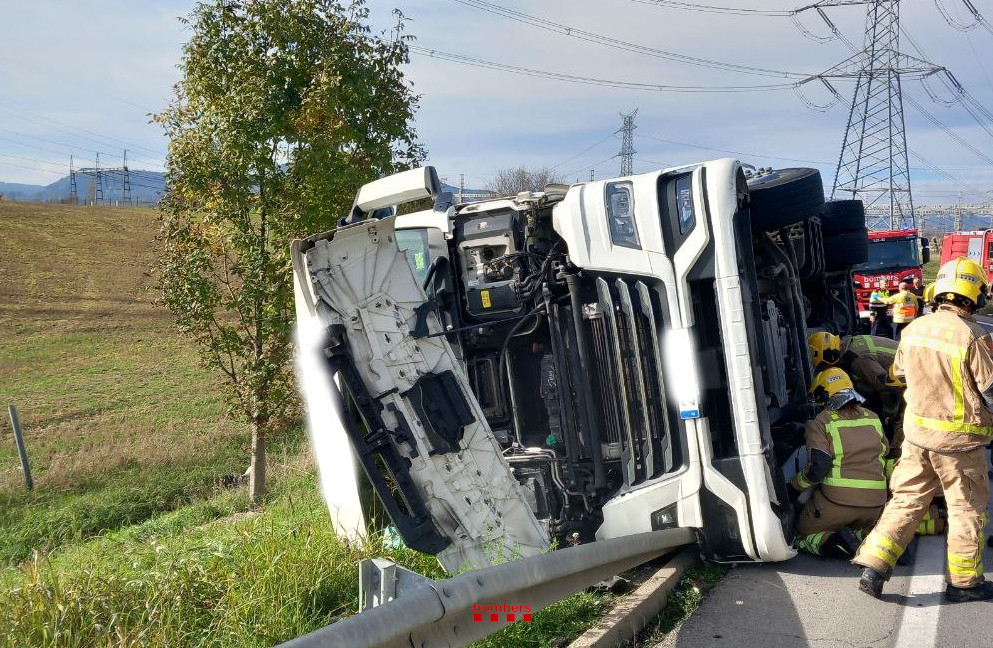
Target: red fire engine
894, 256
977, 246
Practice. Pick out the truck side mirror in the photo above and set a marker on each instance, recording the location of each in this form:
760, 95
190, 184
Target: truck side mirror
925, 250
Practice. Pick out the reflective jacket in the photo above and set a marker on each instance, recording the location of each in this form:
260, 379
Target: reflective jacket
904, 306
947, 361
853, 437
867, 360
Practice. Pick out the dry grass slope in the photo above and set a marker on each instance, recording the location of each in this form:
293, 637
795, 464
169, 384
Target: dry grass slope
119, 420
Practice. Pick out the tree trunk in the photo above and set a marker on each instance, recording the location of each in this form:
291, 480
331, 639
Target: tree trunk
256, 476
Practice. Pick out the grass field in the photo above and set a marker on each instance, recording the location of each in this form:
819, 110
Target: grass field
119, 421
128, 538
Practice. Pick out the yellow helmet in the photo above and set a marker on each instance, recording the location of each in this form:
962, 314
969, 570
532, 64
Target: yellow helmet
824, 348
929, 293
893, 380
828, 383
963, 277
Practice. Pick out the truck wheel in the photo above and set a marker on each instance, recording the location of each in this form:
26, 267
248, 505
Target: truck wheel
784, 197
841, 216
843, 251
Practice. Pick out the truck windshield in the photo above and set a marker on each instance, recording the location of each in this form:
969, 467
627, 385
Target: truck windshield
890, 254
414, 243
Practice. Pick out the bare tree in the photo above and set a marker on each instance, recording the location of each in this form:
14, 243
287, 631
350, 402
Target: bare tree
513, 180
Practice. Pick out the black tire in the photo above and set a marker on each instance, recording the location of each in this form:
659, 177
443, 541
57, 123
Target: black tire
813, 244
784, 197
842, 216
843, 251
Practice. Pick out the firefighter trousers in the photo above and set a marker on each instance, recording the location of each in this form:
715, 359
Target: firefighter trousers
917, 477
821, 517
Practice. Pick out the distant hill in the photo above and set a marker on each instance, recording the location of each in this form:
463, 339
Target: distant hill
146, 188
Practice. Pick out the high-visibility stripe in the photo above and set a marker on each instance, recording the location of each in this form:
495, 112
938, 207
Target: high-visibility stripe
953, 350
802, 482
883, 548
868, 484
870, 344
957, 391
956, 357
964, 566
952, 426
833, 428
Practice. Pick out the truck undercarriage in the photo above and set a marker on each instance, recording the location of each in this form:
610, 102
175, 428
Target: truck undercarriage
579, 363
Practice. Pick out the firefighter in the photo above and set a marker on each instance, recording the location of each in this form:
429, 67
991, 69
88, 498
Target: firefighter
929, 298
867, 360
946, 359
879, 319
904, 305
845, 453
917, 288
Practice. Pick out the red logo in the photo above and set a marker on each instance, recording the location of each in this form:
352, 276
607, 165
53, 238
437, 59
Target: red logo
495, 612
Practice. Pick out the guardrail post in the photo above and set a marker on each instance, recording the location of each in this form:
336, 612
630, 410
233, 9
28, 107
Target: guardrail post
19, 440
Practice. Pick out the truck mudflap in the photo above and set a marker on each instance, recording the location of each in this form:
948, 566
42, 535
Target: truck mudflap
424, 442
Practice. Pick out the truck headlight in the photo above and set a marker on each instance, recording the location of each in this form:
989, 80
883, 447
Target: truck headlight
620, 215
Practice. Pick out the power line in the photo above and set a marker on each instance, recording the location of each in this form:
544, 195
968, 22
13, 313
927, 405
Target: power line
607, 41
32, 168
945, 174
610, 83
958, 138
27, 159
962, 96
734, 11
41, 121
928, 166
978, 18
585, 150
747, 155
72, 148
589, 166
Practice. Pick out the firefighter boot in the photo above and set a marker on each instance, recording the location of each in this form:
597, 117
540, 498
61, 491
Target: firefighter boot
841, 544
981, 592
872, 582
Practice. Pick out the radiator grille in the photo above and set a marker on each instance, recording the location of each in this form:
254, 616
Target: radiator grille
624, 326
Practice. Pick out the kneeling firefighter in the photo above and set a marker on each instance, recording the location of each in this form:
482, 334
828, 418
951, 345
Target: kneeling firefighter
946, 359
845, 450
867, 359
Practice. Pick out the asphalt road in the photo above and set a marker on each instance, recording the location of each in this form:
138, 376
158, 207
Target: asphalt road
814, 602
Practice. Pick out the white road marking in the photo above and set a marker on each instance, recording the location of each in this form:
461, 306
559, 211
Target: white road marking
919, 624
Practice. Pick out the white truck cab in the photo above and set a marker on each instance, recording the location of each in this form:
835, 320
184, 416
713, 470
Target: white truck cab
581, 363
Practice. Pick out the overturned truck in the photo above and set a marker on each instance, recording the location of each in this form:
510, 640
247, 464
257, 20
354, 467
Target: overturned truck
584, 362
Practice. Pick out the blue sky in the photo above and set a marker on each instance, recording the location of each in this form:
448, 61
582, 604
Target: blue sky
80, 78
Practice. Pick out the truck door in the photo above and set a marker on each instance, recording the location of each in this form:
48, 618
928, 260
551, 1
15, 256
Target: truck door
975, 251
988, 259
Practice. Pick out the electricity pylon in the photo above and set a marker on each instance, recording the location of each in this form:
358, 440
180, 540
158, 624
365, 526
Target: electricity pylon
627, 143
873, 163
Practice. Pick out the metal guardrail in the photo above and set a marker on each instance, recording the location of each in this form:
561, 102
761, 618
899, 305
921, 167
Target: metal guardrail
440, 614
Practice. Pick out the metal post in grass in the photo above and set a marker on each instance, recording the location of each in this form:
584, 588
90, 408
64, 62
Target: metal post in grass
19, 440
